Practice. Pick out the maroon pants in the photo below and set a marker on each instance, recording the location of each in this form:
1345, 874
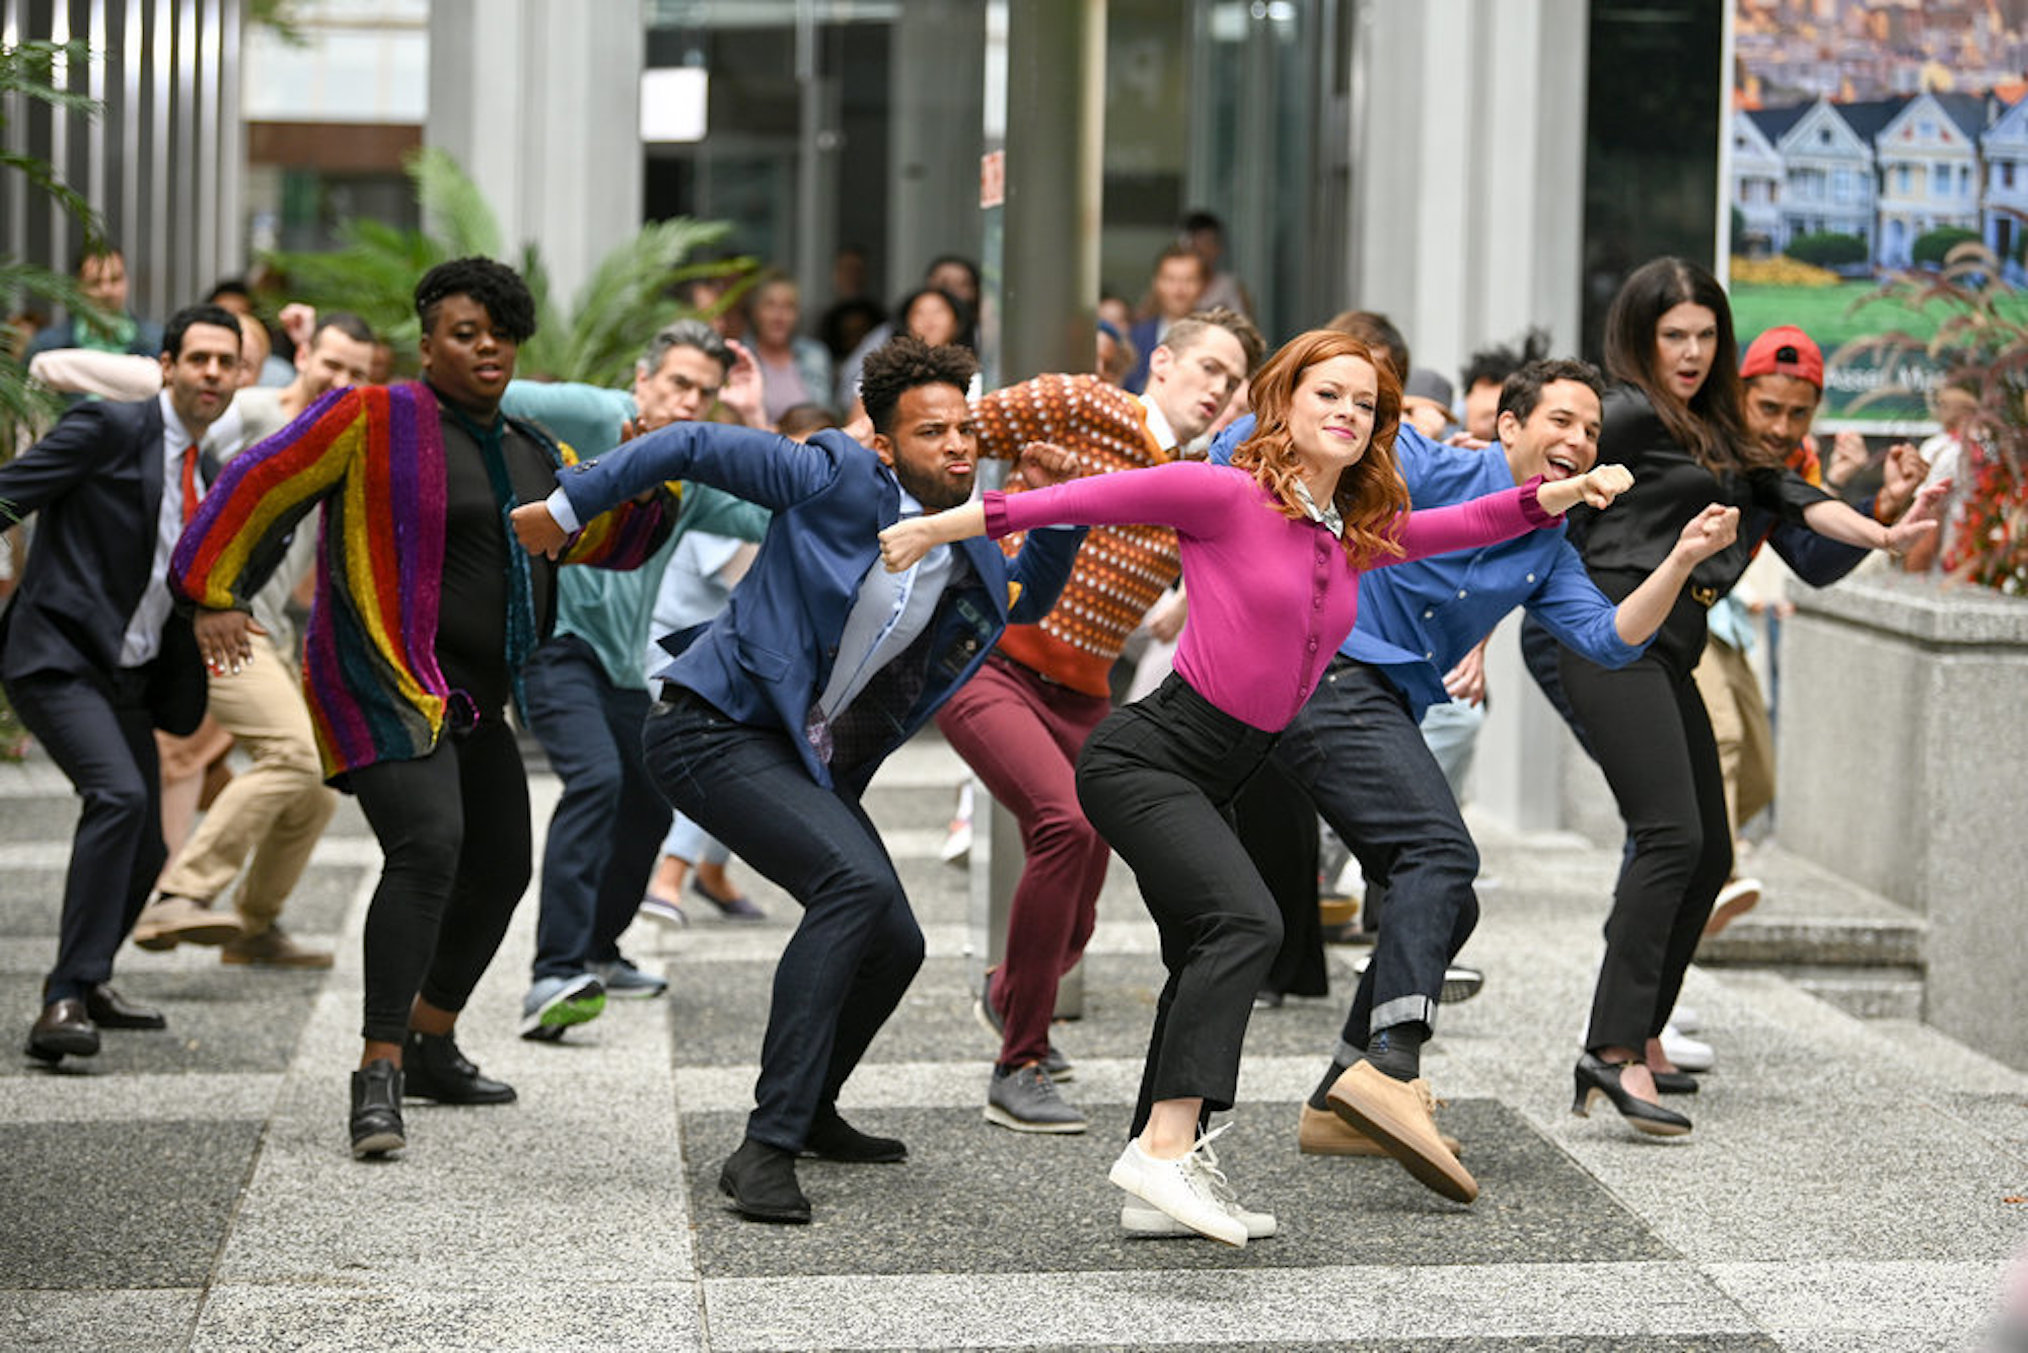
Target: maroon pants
1021, 734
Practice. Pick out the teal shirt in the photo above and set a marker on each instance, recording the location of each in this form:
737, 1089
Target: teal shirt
608, 610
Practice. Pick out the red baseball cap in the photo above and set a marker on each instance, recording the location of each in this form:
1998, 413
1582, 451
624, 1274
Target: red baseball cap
1784, 350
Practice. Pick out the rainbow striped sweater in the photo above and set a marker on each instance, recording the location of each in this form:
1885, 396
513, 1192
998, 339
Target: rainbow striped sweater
373, 457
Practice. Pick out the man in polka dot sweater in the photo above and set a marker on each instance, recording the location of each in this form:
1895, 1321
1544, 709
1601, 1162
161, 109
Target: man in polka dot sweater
1021, 721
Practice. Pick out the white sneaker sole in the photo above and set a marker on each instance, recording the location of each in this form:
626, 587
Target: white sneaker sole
1142, 1220
997, 1115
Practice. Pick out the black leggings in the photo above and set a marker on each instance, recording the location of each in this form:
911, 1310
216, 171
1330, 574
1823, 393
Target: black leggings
454, 829
1646, 726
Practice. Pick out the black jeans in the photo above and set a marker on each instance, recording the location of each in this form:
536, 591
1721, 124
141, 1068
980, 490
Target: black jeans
1647, 728
454, 829
609, 821
1360, 756
1158, 779
103, 739
857, 947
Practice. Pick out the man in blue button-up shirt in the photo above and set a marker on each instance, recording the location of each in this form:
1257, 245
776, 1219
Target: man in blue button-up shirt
1357, 752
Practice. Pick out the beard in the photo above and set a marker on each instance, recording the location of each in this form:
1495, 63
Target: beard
934, 491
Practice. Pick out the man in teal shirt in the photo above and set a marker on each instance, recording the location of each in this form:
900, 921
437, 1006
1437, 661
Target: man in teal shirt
587, 695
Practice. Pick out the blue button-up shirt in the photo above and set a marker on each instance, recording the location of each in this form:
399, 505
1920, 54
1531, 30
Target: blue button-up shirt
1418, 620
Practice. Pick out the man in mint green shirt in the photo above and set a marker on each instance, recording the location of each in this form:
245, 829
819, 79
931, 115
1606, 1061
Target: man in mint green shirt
587, 693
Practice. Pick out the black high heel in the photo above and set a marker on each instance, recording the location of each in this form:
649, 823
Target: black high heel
1595, 1078
1674, 1082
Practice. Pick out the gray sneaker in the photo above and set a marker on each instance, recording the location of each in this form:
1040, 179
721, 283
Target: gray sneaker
988, 1014
556, 1003
1025, 1100
623, 981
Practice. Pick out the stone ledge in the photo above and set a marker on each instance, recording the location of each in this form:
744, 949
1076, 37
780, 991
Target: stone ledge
1921, 610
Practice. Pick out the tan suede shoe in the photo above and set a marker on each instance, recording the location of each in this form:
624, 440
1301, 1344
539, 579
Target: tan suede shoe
1326, 1134
169, 921
1399, 1115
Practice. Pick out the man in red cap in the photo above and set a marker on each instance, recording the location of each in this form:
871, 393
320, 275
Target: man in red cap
1783, 371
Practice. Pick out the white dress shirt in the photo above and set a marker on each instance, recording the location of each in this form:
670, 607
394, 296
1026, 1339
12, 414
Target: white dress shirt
143, 638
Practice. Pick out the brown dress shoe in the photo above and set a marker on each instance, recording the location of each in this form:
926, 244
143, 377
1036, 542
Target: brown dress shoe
63, 1030
169, 921
1326, 1134
1398, 1115
272, 948
110, 1010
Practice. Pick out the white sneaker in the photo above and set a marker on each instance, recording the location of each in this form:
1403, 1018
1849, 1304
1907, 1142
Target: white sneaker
1191, 1190
1142, 1220
1685, 1020
1687, 1053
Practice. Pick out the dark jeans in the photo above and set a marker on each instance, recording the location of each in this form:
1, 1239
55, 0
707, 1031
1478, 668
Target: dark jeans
609, 821
1360, 756
103, 739
1158, 779
857, 947
453, 827
1649, 732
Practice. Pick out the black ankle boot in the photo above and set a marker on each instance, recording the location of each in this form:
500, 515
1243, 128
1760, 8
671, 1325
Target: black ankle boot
376, 1109
1595, 1078
832, 1138
761, 1181
435, 1069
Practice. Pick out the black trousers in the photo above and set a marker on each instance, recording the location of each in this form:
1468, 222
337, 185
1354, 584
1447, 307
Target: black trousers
1278, 826
1647, 728
858, 945
1158, 780
103, 739
454, 829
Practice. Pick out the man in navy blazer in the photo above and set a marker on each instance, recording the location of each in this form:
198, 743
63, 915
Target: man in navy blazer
774, 717
94, 658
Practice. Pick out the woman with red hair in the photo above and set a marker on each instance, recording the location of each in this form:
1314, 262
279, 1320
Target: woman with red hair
1272, 547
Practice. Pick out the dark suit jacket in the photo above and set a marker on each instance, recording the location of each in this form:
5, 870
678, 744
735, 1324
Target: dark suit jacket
769, 655
1146, 337
95, 485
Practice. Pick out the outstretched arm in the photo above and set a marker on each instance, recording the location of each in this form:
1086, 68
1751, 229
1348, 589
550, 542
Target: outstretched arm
1840, 522
1647, 606
906, 542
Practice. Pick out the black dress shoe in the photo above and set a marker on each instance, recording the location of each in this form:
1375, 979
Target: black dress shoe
1674, 1082
110, 1010
761, 1181
832, 1138
1595, 1078
433, 1068
376, 1109
64, 1029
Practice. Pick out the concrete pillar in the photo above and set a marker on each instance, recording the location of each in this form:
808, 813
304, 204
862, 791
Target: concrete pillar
560, 162
1466, 226
935, 136
1048, 294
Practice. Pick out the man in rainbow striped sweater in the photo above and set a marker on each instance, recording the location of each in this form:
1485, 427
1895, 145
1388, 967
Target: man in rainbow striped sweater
424, 615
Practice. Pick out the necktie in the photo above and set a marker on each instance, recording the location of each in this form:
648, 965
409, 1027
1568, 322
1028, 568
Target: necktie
189, 484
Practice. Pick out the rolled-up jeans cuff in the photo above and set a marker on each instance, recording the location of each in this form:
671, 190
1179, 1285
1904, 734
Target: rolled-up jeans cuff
1404, 1010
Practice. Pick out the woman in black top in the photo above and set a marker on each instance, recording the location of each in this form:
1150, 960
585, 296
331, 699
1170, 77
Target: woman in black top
1675, 419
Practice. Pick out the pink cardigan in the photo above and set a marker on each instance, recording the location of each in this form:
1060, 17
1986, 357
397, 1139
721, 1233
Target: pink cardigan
1271, 597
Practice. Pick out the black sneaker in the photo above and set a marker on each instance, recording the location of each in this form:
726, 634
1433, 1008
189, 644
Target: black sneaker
1054, 1062
1025, 1100
435, 1069
376, 1110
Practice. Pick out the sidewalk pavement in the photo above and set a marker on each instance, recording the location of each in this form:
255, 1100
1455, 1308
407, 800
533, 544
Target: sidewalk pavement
1851, 1186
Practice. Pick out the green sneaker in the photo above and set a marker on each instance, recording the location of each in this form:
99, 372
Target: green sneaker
555, 1003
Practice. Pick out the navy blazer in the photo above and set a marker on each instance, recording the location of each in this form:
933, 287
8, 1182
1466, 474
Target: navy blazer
768, 656
95, 485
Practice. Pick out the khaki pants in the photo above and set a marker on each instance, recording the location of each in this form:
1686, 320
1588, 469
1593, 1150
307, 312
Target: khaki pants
273, 812
1731, 692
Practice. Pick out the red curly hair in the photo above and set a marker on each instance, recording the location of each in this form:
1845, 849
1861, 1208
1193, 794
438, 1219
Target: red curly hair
1370, 496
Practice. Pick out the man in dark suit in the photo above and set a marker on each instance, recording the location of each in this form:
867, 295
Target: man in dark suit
774, 717
1177, 289
101, 275
94, 657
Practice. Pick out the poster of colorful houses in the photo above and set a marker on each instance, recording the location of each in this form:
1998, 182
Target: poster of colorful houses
1867, 139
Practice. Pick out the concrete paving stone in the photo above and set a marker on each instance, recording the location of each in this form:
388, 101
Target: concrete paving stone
150, 1320
34, 820
976, 1197
935, 1022
1525, 1304
401, 1309
221, 1020
118, 1205
31, 901
88, 1098
1917, 1301
1527, 1343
